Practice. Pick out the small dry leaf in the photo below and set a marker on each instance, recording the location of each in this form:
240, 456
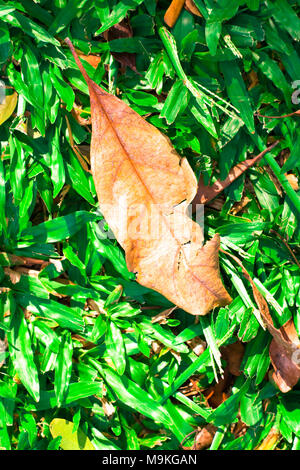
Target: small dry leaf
144, 189
13, 275
204, 437
108, 407
270, 441
233, 355
161, 317
197, 345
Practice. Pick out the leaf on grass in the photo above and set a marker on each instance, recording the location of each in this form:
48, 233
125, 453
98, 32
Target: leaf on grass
144, 189
70, 441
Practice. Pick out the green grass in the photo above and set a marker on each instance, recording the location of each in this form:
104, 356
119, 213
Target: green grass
77, 326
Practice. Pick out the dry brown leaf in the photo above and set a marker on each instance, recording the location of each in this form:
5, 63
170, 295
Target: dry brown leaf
204, 437
233, 355
293, 180
207, 193
197, 345
216, 393
295, 113
144, 189
13, 275
119, 31
285, 347
161, 317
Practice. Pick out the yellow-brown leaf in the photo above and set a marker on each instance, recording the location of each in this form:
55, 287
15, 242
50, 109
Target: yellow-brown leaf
144, 189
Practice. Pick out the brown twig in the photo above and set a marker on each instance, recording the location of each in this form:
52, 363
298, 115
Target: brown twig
207, 193
295, 113
287, 246
173, 12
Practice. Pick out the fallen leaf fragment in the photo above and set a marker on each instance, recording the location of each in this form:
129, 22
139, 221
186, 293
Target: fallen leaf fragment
191, 7
270, 441
207, 193
216, 394
233, 355
293, 180
197, 345
144, 189
295, 113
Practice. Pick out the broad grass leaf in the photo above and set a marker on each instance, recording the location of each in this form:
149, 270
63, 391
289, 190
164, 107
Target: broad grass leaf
63, 368
76, 391
176, 102
289, 407
66, 317
134, 396
4, 436
138, 174
238, 93
57, 229
22, 354
227, 411
119, 12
